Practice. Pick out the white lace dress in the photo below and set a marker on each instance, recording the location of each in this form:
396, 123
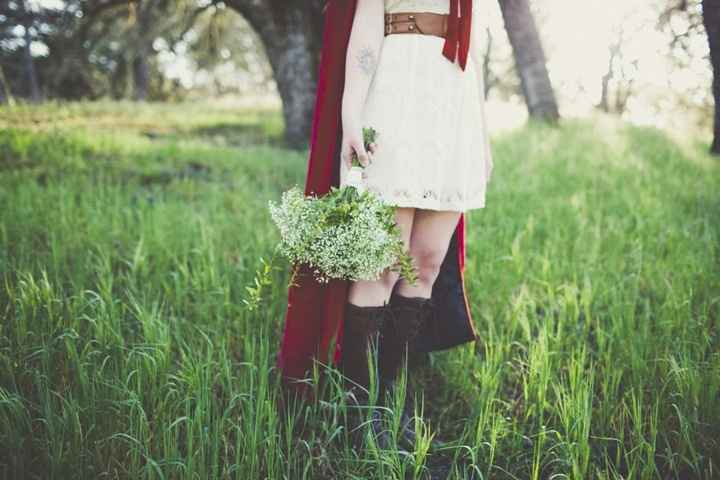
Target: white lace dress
433, 148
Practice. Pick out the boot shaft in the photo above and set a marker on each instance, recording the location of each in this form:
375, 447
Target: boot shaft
360, 343
400, 334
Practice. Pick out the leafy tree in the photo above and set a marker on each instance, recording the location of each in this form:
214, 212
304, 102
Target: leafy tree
699, 17
93, 47
121, 36
21, 26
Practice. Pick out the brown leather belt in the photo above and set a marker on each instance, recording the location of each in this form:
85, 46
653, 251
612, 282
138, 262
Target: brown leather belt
428, 23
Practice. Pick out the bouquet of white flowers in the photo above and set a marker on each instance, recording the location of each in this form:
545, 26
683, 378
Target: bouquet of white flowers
348, 233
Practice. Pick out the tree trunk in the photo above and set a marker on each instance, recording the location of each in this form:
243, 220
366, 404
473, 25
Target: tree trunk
118, 78
294, 65
292, 36
604, 104
28, 61
529, 60
141, 78
614, 53
5, 93
143, 36
711, 19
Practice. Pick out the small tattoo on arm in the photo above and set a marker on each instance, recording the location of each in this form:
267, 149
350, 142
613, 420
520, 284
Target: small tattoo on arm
366, 59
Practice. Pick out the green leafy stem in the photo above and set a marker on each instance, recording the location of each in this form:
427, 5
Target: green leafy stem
369, 136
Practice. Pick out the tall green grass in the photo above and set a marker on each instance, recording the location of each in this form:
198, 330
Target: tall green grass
126, 350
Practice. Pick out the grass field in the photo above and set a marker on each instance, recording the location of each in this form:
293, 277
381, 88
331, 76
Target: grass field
128, 235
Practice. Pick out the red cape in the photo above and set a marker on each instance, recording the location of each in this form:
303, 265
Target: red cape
315, 312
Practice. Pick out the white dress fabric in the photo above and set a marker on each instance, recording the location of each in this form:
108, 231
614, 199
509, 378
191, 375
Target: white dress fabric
433, 146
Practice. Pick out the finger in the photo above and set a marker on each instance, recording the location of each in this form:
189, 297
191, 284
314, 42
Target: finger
364, 160
373, 147
351, 154
355, 147
358, 153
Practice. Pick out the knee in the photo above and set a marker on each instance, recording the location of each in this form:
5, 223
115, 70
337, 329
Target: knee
389, 279
428, 262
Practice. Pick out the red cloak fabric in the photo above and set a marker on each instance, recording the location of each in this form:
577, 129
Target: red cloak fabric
315, 312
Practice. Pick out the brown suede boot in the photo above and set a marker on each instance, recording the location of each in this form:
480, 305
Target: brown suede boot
399, 335
361, 338
399, 345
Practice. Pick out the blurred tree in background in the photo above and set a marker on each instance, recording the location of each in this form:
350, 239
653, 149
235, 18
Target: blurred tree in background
20, 27
686, 20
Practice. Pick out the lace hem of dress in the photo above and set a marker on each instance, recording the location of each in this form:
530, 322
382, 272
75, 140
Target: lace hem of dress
430, 199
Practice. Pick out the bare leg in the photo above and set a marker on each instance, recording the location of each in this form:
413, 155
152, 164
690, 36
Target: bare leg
429, 241
377, 292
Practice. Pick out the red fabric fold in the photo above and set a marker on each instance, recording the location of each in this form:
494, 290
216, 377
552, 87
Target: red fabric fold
457, 41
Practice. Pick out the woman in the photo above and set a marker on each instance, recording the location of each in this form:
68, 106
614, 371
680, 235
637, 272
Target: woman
411, 69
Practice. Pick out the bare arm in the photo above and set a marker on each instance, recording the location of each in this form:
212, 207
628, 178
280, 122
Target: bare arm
477, 42
363, 52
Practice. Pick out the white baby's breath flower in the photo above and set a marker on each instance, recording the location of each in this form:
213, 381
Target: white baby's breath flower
344, 234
